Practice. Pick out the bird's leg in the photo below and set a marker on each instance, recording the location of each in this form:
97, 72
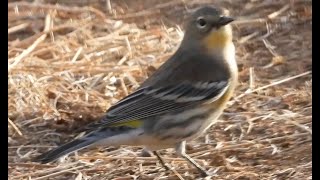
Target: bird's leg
161, 160
180, 148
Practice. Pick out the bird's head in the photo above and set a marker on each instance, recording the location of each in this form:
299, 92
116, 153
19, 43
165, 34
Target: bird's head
210, 27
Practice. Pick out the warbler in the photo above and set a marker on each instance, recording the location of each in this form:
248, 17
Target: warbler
179, 101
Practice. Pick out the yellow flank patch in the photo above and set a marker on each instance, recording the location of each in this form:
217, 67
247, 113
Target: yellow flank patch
217, 39
133, 124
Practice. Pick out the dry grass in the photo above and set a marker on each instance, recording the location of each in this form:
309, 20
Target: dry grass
69, 63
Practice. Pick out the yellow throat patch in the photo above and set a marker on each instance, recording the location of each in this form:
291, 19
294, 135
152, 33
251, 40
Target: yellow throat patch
218, 39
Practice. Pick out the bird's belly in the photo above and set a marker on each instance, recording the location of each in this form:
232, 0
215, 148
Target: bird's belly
207, 123
174, 128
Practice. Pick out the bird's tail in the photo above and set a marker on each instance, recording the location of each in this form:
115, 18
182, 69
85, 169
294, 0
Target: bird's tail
62, 150
110, 136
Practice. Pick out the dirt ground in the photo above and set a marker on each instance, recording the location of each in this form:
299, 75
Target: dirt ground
68, 63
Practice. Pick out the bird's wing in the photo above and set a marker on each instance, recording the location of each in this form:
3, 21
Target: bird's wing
150, 101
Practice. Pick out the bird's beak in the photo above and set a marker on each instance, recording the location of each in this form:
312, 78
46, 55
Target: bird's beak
224, 20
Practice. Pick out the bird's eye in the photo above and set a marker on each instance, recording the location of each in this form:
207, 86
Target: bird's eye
201, 22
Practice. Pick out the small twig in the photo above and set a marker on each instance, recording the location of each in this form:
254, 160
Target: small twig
251, 82
269, 47
31, 165
123, 86
130, 158
170, 3
28, 40
17, 28
281, 81
269, 32
58, 8
15, 127
269, 85
239, 175
249, 21
248, 37
108, 6
58, 173
132, 80
145, 13
250, 143
56, 168
176, 173
75, 57
262, 20
17, 59
128, 45
303, 127
30, 146
151, 11
123, 59
250, 126
280, 11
